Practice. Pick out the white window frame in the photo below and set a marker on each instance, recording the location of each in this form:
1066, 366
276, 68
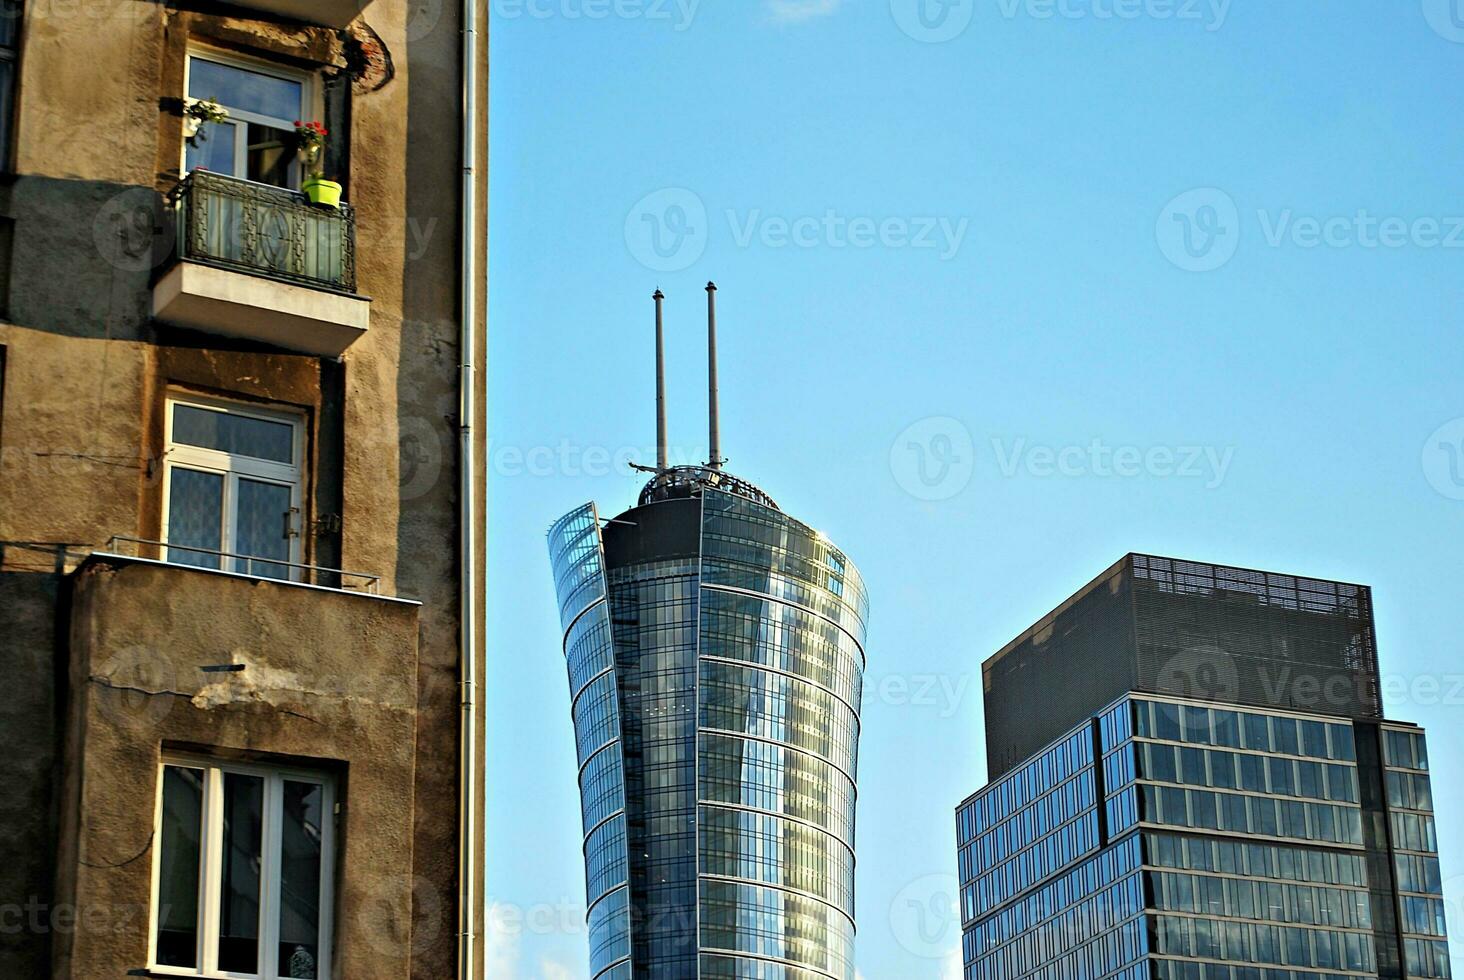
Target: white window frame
232, 468
310, 104
210, 866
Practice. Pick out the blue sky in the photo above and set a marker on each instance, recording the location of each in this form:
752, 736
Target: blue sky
1007, 290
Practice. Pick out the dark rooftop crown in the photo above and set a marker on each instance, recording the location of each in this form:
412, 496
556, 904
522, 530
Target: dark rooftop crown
686, 481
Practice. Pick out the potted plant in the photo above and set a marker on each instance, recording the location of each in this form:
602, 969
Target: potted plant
310, 139
196, 112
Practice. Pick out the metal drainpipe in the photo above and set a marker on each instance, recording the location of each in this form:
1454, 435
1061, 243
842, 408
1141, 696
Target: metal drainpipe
468, 508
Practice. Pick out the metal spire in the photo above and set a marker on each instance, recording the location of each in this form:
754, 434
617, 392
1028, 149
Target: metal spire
715, 422
660, 299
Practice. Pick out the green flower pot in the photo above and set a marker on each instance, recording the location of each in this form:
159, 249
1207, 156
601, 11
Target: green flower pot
326, 193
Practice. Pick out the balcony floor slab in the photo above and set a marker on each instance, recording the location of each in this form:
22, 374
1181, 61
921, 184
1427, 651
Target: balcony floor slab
235, 304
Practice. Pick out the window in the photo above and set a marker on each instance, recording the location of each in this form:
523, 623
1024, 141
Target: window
257, 141
242, 872
232, 487
9, 49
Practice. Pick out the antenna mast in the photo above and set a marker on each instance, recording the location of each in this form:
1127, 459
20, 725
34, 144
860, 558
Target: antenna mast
660, 299
715, 422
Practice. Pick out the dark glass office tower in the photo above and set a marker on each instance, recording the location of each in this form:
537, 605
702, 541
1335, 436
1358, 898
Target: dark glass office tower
715, 656
1213, 793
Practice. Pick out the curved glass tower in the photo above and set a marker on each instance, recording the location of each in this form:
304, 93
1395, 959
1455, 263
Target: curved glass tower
715, 649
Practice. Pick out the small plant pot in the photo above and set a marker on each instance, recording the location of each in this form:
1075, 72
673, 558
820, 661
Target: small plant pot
326, 193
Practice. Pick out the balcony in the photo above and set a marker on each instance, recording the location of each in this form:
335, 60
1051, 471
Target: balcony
261, 263
330, 13
163, 655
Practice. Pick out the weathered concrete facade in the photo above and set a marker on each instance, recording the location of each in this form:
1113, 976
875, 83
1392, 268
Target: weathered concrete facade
103, 646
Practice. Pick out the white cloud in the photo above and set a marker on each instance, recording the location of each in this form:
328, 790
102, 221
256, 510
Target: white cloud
550, 970
800, 11
501, 945
503, 952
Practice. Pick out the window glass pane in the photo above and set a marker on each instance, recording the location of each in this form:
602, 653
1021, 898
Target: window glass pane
1253, 773
195, 516
1222, 770
1257, 733
1309, 780
304, 821
271, 152
1314, 739
1284, 732
178, 865
213, 149
262, 512
1282, 773
1161, 763
1197, 725
7, 103
239, 888
240, 88
238, 435
1227, 728
10, 11
1166, 721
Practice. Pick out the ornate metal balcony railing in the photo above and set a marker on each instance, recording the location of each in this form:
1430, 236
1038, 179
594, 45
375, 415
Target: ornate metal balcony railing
264, 230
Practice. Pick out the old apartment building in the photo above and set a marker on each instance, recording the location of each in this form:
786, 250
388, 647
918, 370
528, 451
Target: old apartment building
239, 542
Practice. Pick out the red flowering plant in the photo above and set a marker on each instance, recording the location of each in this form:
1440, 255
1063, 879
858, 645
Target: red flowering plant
310, 142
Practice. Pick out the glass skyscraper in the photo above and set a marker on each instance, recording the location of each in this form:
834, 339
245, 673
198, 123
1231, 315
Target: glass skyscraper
1242, 812
715, 650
